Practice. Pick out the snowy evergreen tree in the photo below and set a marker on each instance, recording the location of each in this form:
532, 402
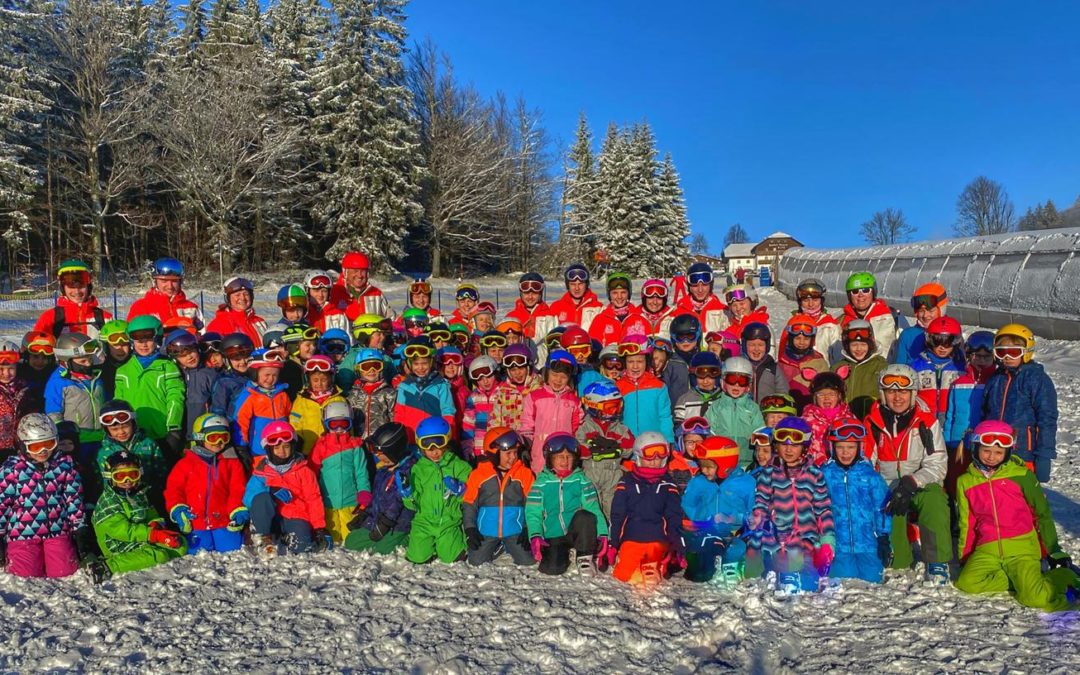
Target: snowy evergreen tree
188, 42
580, 190
675, 243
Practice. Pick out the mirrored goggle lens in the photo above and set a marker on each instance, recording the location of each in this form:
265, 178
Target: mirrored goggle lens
850, 432
860, 291
693, 425
483, 372
579, 350
809, 295
418, 351
420, 287
218, 437
1009, 352
612, 363
182, 350
237, 352
467, 293
339, 424
577, 275
415, 322
854, 334
789, 436
293, 303
370, 366
700, 278
451, 360
773, 402
925, 301
46, 348
38, 447
439, 335
515, 361
493, 341
9, 358
707, 371
334, 347
436, 441
126, 476
75, 278
115, 418
508, 441
147, 334
996, 438
737, 294
609, 407
737, 379
531, 286
662, 344
685, 338
895, 381
940, 340
804, 329
655, 451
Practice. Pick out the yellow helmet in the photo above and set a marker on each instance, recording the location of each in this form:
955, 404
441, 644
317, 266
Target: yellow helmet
366, 324
1018, 330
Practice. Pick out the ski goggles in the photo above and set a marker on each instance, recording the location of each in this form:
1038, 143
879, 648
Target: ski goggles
655, 451
790, 436
737, 294
334, 347
1009, 352
237, 352
117, 339
531, 287
695, 425
181, 350
41, 346
461, 338
318, 366
507, 441
217, 437
308, 333
421, 287
515, 361
486, 371
561, 443
630, 349
809, 295
451, 359
619, 283
493, 341
775, 402
580, 350
654, 291
126, 476
467, 293
415, 322
418, 352
319, 281
686, 338
577, 275
372, 366
926, 301
278, 438
507, 328
75, 278
143, 335
858, 334
339, 424
439, 335
700, 278
434, 441
612, 363
608, 408
997, 438
9, 358
940, 340
737, 380
707, 371
804, 329
112, 419
761, 437
892, 381
860, 291
662, 344
293, 302
272, 357
38, 447
848, 432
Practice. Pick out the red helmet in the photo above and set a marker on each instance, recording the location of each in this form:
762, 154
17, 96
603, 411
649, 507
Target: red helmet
944, 325
574, 336
355, 260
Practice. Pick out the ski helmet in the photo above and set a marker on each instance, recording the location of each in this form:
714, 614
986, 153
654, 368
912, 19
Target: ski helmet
993, 432
433, 432
801, 324
178, 342
366, 324
700, 272
238, 284
705, 360
654, 288
70, 346
790, 429
367, 354
651, 445
859, 330
661, 344
292, 296
721, 450
574, 336
275, 433
558, 442
602, 400
9, 352
685, 325
123, 469
355, 260
576, 272
942, 331
553, 340
35, 428
237, 345
267, 358
513, 354
467, 290
498, 439
40, 342
778, 403
810, 288
167, 268
73, 272
619, 280
318, 279
930, 296
482, 366
861, 280
336, 410
146, 325
390, 439
414, 317
828, 380
1020, 331
900, 377
208, 423
739, 365
448, 354
299, 332
273, 337
980, 340
756, 330
334, 341
561, 360
531, 281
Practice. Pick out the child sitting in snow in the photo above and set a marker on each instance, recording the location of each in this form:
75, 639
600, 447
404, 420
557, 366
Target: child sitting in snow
434, 491
646, 515
340, 462
475, 418
132, 535
717, 501
41, 504
383, 525
494, 501
858, 495
1005, 526
604, 440
827, 390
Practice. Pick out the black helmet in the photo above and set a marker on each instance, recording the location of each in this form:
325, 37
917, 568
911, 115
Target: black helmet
117, 460
828, 380
756, 330
685, 324
235, 345
390, 439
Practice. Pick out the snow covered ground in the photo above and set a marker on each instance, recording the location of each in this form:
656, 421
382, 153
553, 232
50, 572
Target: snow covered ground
346, 611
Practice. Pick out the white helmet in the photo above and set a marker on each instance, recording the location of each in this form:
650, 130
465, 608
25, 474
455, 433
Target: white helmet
647, 439
739, 365
35, 427
898, 376
336, 410
74, 345
480, 363
318, 279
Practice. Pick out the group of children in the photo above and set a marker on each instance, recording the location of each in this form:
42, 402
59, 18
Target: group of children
664, 438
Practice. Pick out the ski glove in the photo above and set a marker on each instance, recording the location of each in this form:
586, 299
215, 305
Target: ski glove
900, 502
174, 443
162, 537
283, 495
403, 487
182, 515
453, 486
537, 546
823, 558
383, 527
363, 501
603, 448
884, 549
238, 519
1058, 559
474, 538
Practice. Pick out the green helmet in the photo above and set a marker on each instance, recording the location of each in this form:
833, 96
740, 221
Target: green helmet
620, 279
414, 315
145, 322
861, 280
114, 327
72, 265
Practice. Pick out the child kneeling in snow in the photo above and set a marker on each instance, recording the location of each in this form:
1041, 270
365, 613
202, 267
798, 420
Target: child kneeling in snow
1005, 526
340, 461
646, 515
383, 525
494, 509
562, 510
41, 503
205, 490
131, 534
717, 501
283, 496
434, 491
858, 494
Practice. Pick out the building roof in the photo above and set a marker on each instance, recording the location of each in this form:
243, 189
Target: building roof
739, 251
779, 235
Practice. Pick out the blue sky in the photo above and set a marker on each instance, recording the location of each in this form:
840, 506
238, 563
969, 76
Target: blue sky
805, 117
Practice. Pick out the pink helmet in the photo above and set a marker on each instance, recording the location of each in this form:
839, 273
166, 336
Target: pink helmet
275, 430
993, 427
319, 363
634, 344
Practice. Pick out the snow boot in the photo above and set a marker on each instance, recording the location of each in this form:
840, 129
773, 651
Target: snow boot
650, 574
730, 574
937, 574
98, 571
264, 545
585, 565
788, 584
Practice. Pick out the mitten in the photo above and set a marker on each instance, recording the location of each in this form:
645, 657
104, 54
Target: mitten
162, 537
238, 519
884, 549
283, 495
537, 546
454, 486
182, 515
383, 527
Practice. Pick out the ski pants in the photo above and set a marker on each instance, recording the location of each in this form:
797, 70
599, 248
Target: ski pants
147, 555
703, 551
635, 554
580, 536
1022, 576
360, 540
53, 557
931, 509
489, 547
296, 532
219, 539
427, 540
857, 566
796, 559
337, 522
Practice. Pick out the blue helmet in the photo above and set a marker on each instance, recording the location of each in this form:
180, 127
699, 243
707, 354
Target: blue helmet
336, 337
432, 427
167, 267
368, 354
705, 359
562, 356
980, 339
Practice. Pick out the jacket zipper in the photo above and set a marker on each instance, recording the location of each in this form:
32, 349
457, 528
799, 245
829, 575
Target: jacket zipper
997, 525
851, 530
562, 523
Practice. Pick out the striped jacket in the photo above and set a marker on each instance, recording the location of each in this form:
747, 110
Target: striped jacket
508, 401
475, 421
796, 507
494, 501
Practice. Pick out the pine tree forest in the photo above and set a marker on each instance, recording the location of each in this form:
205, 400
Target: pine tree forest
240, 135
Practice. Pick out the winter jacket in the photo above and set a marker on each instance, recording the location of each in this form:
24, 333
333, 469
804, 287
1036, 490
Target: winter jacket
340, 462
249, 323
527, 316
16, 401
646, 405
255, 408
797, 504
347, 375
299, 479
910, 345
210, 484
155, 392
122, 521
965, 406
386, 501
858, 496
306, 416
459, 392
861, 382
718, 507
736, 418
936, 376
476, 420
68, 317
326, 317
508, 401
546, 412
820, 419
372, 406
827, 338
646, 510
659, 323
35, 379
553, 501
735, 326
769, 379
418, 399
75, 398
566, 310
676, 377
695, 403
881, 320
605, 474
156, 303
1005, 514
906, 445
434, 504
607, 328
369, 301
39, 501
227, 391
155, 467
494, 501
1025, 398
798, 384
711, 314
198, 392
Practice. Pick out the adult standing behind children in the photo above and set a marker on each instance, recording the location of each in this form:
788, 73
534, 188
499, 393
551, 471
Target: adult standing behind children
353, 292
166, 299
76, 309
